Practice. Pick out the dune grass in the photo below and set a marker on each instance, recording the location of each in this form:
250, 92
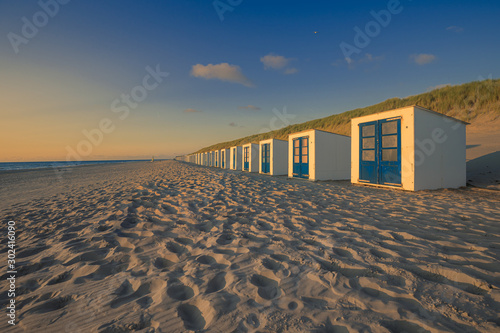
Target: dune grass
465, 102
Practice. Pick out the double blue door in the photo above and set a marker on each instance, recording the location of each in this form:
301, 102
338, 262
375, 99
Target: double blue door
301, 157
380, 152
246, 158
234, 158
266, 158
222, 159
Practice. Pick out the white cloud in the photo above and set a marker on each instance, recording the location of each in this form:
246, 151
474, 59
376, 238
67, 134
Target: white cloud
223, 72
454, 28
422, 58
277, 62
250, 107
366, 59
191, 111
291, 71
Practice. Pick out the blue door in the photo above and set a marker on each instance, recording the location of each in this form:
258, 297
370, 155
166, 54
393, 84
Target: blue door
234, 158
380, 152
246, 159
266, 158
222, 158
301, 157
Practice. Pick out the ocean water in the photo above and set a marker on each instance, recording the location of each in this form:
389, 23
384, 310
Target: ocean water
55, 164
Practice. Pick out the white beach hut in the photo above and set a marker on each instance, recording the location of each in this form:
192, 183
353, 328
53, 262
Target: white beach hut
319, 155
235, 158
273, 157
250, 157
224, 158
410, 148
210, 158
217, 158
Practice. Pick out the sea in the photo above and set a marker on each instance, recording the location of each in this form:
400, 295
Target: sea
55, 164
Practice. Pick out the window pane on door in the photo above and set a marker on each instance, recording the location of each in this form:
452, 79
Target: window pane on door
390, 127
368, 143
368, 130
296, 143
389, 155
368, 155
389, 141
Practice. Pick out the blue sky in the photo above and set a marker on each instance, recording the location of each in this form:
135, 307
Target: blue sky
264, 55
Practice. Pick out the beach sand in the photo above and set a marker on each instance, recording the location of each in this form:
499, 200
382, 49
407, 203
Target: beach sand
172, 247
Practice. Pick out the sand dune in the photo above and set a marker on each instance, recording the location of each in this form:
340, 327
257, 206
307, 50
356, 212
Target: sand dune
171, 247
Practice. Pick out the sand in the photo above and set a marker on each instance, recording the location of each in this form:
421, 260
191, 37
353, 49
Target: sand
483, 152
172, 247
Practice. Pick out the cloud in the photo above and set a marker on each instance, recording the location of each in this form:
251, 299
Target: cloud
422, 58
439, 86
191, 111
454, 28
277, 62
249, 107
366, 59
223, 72
233, 124
291, 71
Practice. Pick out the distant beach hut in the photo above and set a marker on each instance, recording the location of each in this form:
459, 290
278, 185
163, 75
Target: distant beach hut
273, 157
411, 148
250, 158
210, 158
217, 158
319, 155
224, 158
235, 158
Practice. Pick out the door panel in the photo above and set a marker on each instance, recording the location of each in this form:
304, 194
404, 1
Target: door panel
380, 152
301, 157
266, 158
246, 159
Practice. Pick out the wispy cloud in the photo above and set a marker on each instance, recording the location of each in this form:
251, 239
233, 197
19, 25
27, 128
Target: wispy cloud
191, 111
233, 124
366, 59
223, 72
279, 63
455, 28
249, 107
422, 58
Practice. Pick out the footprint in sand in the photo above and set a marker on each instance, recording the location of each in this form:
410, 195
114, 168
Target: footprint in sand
225, 239
267, 288
206, 260
191, 316
180, 292
217, 283
176, 248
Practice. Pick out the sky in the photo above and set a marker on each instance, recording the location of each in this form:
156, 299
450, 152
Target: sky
122, 79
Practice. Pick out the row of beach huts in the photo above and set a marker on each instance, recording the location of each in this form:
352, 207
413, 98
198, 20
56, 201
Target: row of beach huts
410, 148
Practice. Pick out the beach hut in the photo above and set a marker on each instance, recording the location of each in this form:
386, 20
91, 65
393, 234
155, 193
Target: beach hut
273, 157
410, 148
319, 155
250, 157
224, 158
210, 158
217, 158
235, 158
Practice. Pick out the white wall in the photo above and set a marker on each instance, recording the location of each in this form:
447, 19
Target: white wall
439, 152
237, 160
